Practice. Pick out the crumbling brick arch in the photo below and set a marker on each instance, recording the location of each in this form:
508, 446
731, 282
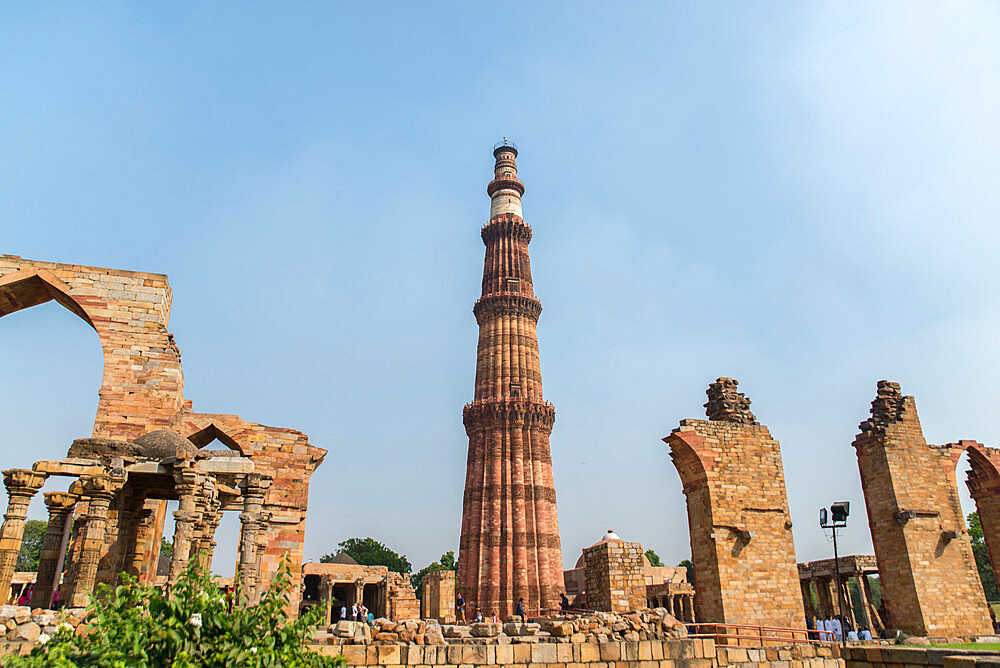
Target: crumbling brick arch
31, 287
738, 517
205, 436
925, 562
983, 481
142, 383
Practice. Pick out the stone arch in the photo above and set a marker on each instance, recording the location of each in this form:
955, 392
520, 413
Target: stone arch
30, 287
924, 555
983, 482
205, 436
142, 385
738, 518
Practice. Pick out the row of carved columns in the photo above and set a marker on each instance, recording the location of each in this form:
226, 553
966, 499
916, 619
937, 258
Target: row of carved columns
128, 529
681, 606
828, 604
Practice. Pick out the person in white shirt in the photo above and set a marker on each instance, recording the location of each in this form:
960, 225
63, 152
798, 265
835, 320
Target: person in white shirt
852, 636
865, 634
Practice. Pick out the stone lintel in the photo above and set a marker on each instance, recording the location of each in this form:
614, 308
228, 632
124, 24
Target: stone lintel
225, 465
71, 466
150, 467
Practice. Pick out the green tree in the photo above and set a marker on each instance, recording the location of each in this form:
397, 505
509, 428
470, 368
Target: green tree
982, 556
166, 548
31, 545
136, 625
446, 563
370, 552
690, 569
654, 558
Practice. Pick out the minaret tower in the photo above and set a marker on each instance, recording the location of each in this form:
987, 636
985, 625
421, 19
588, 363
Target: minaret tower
510, 545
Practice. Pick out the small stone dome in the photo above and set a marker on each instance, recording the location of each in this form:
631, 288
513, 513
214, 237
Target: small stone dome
608, 537
163, 443
343, 558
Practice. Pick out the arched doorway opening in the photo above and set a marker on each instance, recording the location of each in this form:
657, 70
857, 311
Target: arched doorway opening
52, 364
979, 499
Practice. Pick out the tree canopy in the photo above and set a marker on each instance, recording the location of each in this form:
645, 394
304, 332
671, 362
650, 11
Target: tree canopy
654, 558
31, 545
982, 558
370, 552
690, 569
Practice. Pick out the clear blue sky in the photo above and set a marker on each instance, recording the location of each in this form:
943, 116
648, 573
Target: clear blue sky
802, 196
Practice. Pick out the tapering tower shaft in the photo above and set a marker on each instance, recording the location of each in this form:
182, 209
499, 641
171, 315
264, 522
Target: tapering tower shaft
510, 546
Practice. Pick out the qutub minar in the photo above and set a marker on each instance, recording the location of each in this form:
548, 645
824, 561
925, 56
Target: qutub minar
510, 546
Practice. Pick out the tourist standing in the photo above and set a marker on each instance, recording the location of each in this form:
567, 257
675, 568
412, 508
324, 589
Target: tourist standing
563, 602
520, 609
354, 612
460, 607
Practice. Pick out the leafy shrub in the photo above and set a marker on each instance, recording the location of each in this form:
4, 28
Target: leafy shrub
136, 625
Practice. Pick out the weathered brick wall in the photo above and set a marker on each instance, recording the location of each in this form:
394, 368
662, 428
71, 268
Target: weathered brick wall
615, 579
929, 577
142, 388
738, 518
438, 596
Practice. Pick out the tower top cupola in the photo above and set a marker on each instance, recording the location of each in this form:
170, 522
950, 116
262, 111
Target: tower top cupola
505, 189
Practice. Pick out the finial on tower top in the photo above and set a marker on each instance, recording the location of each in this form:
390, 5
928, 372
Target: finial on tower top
504, 145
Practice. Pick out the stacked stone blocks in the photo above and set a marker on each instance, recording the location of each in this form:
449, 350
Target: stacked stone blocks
615, 577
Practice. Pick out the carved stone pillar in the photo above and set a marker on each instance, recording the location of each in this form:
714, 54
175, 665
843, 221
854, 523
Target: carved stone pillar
251, 524
133, 556
118, 517
807, 599
97, 489
188, 484
21, 484
60, 505
211, 516
359, 592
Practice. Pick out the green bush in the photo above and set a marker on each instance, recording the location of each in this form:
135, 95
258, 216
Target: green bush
136, 625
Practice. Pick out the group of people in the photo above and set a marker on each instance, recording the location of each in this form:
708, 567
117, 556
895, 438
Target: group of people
519, 610
359, 613
25, 597
460, 611
833, 629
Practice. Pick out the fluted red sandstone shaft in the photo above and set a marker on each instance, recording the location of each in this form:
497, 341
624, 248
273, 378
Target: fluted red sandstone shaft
510, 532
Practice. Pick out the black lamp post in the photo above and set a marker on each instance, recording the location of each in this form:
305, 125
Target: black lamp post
837, 519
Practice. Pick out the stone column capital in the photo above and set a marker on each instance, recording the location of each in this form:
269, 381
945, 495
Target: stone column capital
59, 502
23, 482
96, 486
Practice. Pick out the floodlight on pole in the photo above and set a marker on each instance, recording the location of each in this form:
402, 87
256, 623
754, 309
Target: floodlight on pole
837, 519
